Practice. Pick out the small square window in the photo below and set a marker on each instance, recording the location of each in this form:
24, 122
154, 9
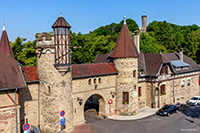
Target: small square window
188, 82
182, 83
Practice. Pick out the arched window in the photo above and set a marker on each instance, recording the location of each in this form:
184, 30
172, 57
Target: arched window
95, 81
134, 73
89, 81
99, 80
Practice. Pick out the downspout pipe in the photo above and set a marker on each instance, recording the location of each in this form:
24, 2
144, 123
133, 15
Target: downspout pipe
152, 104
159, 94
173, 89
116, 96
16, 110
39, 105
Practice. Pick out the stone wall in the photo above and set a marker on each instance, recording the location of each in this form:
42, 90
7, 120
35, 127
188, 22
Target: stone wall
29, 104
143, 98
181, 93
83, 88
55, 91
8, 120
127, 82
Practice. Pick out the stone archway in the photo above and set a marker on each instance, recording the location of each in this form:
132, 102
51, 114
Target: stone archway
94, 106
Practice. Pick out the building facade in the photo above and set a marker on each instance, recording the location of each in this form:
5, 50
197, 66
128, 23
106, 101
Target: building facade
125, 76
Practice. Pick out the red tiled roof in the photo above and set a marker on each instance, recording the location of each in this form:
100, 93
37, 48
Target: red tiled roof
30, 73
86, 70
61, 22
10, 73
5, 45
125, 47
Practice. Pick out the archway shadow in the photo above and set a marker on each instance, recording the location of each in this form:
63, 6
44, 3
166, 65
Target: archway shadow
93, 106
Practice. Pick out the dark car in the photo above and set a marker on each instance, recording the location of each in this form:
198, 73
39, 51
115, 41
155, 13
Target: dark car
167, 110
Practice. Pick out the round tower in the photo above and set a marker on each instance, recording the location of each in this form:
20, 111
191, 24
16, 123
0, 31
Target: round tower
54, 70
125, 57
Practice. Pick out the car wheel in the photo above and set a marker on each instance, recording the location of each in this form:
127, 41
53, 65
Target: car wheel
168, 114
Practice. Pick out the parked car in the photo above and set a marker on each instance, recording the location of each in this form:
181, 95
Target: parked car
167, 110
194, 101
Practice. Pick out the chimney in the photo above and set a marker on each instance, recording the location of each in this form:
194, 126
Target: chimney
144, 23
181, 54
137, 40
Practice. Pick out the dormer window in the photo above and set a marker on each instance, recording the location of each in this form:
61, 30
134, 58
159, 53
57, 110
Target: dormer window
164, 70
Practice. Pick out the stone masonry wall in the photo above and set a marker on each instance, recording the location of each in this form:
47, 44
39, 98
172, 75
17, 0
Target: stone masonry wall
181, 93
82, 90
142, 99
8, 121
29, 104
126, 82
55, 93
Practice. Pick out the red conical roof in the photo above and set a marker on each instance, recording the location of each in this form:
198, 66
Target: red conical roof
125, 47
5, 45
61, 22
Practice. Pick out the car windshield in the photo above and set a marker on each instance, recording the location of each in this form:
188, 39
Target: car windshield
194, 98
166, 107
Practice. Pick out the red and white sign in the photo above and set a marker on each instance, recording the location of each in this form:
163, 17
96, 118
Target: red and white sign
110, 101
26, 126
62, 113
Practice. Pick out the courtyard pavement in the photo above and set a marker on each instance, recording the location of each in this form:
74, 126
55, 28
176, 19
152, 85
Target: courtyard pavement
144, 112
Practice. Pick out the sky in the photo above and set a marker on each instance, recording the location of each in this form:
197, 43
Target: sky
25, 18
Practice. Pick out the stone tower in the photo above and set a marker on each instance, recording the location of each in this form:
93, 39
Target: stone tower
54, 70
125, 57
144, 23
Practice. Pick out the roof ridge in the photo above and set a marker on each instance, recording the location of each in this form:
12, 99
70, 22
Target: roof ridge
93, 63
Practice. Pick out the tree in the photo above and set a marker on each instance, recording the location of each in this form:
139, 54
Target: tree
148, 44
24, 53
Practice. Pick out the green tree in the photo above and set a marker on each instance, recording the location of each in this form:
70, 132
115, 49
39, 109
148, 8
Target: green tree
24, 52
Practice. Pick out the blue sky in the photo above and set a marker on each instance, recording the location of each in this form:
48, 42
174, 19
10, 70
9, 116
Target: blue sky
25, 18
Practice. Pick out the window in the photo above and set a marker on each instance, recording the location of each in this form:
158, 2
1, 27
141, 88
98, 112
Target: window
125, 98
188, 82
162, 90
139, 92
95, 81
89, 81
164, 70
182, 83
99, 80
134, 73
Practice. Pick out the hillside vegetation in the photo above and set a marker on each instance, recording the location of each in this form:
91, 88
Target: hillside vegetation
162, 37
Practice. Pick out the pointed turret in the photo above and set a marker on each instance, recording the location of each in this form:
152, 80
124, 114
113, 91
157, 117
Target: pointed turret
125, 47
4, 44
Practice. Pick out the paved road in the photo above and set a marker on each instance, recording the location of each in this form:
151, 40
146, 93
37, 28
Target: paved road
182, 122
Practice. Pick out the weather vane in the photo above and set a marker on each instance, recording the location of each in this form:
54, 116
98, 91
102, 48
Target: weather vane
4, 23
60, 13
124, 19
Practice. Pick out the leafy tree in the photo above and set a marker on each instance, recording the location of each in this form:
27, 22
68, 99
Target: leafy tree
24, 52
148, 44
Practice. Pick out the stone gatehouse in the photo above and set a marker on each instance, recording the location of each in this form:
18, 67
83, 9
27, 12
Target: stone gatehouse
126, 76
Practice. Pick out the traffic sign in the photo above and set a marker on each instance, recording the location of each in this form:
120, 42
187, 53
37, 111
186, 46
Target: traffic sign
26, 126
110, 101
62, 121
62, 113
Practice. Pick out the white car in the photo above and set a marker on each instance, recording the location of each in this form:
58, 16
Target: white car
194, 100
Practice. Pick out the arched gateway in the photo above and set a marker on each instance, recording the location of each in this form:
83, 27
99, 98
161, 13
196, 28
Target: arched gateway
76, 87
